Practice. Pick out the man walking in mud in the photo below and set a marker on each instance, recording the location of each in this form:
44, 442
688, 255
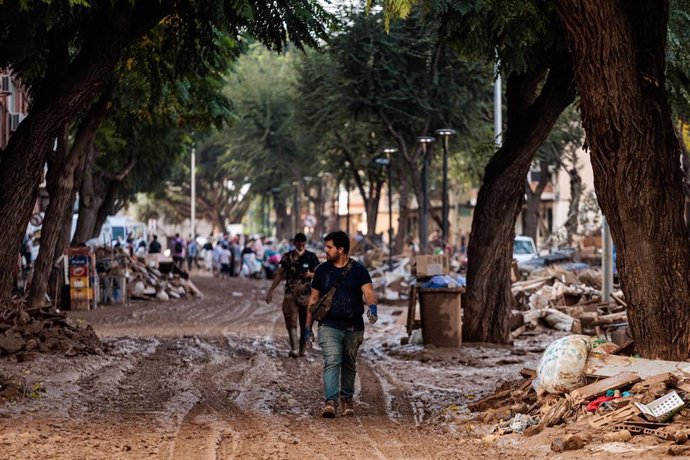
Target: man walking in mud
297, 267
341, 331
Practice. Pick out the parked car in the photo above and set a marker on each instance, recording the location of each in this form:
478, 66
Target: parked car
524, 249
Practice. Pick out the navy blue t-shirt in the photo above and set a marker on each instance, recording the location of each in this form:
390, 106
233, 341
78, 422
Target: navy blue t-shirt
348, 304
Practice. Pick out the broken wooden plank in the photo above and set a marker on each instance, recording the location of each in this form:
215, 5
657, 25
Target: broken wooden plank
610, 319
615, 417
605, 365
599, 388
619, 300
666, 378
528, 373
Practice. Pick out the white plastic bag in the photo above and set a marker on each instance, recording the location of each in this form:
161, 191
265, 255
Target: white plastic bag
561, 367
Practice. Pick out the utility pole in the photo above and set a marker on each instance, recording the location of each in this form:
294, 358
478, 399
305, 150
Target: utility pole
606, 261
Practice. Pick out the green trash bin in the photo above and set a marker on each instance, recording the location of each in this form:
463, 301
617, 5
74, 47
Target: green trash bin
441, 314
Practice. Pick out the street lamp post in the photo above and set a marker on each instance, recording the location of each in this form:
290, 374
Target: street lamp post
445, 133
192, 220
387, 162
424, 230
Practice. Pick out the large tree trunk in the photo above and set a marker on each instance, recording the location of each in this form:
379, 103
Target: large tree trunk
90, 199
618, 51
531, 115
532, 212
98, 194
69, 90
64, 174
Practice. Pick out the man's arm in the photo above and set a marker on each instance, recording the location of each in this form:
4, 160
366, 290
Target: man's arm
369, 294
370, 297
277, 278
313, 298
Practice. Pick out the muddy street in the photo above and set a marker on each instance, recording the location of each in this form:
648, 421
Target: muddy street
210, 378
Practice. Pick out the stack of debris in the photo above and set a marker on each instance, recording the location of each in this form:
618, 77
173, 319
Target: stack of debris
26, 331
621, 398
144, 280
393, 286
568, 301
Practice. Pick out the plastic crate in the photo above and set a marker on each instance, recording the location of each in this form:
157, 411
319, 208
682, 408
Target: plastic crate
662, 409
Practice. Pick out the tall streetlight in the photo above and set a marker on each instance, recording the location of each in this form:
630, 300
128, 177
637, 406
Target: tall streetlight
445, 133
387, 162
424, 231
193, 197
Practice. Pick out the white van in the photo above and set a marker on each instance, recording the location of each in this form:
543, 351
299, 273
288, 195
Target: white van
116, 226
121, 226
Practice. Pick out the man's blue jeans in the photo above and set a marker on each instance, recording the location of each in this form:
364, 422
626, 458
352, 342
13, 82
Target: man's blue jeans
339, 349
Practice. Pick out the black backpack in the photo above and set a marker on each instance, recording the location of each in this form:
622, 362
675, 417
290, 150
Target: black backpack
178, 247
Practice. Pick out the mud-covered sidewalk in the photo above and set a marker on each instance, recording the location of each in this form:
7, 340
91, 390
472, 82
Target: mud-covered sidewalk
192, 379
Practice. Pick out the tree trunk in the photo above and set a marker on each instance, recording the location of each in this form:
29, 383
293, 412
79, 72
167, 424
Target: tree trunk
574, 206
89, 201
372, 206
532, 213
488, 299
332, 223
403, 211
283, 220
64, 173
22, 160
618, 51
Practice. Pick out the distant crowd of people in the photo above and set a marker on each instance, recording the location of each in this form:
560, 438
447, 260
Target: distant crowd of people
225, 256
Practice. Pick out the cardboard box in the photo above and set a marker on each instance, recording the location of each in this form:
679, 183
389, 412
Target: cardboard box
432, 265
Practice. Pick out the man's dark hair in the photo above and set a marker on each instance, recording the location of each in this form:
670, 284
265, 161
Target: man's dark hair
340, 240
300, 238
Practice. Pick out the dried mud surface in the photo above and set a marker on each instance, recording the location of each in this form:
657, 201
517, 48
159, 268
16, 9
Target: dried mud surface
210, 378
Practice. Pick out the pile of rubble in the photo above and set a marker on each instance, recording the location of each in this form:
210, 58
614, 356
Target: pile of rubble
25, 332
146, 278
621, 398
568, 300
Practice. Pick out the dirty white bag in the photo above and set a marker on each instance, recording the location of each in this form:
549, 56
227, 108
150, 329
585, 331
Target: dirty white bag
558, 320
561, 367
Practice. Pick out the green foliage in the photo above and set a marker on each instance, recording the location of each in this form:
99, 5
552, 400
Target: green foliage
267, 134
513, 33
44, 41
404, 81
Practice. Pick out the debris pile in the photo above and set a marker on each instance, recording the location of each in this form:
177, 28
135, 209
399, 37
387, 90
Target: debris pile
144, 279
618, 399
570, 301
25, 332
